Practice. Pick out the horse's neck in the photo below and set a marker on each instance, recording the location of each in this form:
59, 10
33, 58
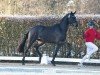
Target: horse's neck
64, 25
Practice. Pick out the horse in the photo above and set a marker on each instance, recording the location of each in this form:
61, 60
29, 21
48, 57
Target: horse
47, 34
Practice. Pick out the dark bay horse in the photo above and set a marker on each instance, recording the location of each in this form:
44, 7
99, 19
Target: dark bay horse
47, 34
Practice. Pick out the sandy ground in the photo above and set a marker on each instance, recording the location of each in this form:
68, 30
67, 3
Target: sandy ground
38, 69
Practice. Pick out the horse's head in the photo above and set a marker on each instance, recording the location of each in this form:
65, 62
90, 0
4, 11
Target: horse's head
72, 19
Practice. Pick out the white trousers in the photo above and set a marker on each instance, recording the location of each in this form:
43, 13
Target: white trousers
91, 48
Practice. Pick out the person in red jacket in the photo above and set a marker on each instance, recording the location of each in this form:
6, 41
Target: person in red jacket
89, 36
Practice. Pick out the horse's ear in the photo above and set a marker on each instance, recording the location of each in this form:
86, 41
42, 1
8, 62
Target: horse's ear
74, 12
71, 12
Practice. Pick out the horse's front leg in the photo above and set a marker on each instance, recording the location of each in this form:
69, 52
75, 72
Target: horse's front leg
55, 54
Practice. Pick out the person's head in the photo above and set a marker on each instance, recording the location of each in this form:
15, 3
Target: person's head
90, 24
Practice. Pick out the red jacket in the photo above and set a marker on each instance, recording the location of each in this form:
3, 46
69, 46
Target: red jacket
91, 34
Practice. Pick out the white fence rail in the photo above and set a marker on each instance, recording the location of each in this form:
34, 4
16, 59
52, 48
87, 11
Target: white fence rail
75, 60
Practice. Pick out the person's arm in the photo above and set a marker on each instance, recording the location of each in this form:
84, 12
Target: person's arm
98, 34
86, 34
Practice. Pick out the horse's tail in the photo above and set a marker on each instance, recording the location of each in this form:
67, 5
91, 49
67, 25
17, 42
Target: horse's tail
22, 43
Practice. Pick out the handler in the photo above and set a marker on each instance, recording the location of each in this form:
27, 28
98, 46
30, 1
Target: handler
89, 36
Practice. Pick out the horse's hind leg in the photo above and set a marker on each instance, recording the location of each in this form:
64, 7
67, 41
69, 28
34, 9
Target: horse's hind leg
30, 41
40, 55
37, 45
24, 54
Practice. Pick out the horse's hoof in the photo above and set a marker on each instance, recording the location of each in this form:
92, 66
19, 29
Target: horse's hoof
53, 63
39, 61
23, 64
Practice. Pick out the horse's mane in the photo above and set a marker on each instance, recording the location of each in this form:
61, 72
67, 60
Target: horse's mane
66, 16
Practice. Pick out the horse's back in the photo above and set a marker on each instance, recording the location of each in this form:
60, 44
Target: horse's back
50, 34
